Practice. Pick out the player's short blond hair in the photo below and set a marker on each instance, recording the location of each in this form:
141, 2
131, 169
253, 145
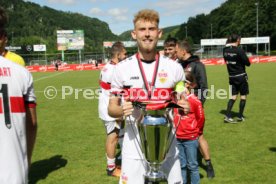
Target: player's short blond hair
147, 15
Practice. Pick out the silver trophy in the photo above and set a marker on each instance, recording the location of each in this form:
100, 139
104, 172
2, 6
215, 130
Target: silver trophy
155, 131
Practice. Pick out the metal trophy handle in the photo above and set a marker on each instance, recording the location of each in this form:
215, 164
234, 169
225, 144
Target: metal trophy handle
155, 131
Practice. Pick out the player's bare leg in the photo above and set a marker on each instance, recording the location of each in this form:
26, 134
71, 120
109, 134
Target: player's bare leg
111, 144
204, 149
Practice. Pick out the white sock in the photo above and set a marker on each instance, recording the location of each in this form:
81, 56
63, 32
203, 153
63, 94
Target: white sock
110, 163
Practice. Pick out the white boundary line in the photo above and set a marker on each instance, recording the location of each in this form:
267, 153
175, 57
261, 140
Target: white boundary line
92, 87
49, 76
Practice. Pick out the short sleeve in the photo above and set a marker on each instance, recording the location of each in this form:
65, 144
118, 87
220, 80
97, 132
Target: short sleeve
29, 95
117, 81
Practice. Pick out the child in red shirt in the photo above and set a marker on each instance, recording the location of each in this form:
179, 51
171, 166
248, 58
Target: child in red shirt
188, 128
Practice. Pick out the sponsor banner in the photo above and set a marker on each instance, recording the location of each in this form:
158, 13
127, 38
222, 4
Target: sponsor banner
254, 59
13, 48
222, 41
39, 48
67, 67
80, 67
255, 40
70, 39
107, 44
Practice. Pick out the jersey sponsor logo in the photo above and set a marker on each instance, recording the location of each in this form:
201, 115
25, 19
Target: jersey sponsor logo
5, 72
230, 54
231, 62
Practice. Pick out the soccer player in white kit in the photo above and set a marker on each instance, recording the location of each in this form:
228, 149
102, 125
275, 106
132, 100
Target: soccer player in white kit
146, 76
17, 120
118, 53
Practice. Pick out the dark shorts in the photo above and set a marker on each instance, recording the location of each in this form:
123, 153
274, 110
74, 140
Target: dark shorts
239, 85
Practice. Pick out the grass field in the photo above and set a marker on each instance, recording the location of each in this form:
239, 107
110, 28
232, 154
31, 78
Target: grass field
70, 142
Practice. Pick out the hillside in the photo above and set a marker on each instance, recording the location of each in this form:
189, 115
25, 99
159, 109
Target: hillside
233, 16
168, 31
30, 23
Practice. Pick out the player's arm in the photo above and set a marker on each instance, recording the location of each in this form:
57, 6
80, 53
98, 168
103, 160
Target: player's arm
114, 107
201, 78
31, 118
244, 57
199, 115
31, 130
116, 110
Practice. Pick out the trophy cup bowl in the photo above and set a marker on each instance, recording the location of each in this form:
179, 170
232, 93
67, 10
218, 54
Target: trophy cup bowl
155, 130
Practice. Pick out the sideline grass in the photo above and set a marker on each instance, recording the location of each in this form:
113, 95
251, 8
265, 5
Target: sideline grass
70, 142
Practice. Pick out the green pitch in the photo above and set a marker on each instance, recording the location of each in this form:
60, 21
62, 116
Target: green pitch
71, 138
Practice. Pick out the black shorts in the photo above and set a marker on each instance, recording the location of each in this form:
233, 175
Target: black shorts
239, 84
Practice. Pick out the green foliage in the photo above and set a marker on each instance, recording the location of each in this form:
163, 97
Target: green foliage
169, 32
29, 23
126, 36
233, 16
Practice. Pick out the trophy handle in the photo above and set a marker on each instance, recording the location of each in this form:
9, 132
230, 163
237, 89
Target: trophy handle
169, 114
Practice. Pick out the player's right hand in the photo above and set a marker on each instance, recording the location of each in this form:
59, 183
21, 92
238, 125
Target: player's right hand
127, 108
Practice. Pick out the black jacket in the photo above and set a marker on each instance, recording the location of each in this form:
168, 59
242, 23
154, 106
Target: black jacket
235, 59
197, 68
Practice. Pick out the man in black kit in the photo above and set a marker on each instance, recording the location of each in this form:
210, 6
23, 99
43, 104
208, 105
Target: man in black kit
236, 61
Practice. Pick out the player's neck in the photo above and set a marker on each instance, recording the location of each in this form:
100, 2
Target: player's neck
187, 56
147, 56
174, 57
115, 60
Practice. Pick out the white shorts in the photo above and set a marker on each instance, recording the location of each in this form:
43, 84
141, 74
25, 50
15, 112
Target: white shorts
133, 171
110, 126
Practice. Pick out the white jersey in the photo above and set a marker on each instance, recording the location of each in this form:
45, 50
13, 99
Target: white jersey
16, 91
105, 86
127, 78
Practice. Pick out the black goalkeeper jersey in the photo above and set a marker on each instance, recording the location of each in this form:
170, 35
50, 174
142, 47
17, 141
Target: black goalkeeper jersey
236, 60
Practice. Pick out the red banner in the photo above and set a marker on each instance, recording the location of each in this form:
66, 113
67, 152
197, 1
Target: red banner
79, 67
67, 67
254, 59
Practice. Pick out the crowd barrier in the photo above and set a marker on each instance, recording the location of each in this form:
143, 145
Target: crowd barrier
79, 67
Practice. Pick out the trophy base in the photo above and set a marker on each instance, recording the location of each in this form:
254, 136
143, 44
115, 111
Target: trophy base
155, 177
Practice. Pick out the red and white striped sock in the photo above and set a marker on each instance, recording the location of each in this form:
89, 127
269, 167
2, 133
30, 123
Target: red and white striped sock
110, 163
